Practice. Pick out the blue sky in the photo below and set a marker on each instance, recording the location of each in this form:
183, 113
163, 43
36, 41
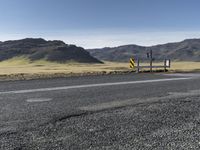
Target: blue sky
100, 23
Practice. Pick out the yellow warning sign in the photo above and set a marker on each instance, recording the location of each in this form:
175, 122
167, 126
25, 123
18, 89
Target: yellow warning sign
132, 63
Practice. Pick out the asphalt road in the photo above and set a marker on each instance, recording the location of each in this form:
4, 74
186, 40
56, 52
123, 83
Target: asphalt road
135, 111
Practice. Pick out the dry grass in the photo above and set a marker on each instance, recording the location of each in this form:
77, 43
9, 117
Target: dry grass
186, 66
22, 65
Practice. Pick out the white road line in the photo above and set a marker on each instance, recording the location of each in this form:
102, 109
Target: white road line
89, 86
194, 75
34, 100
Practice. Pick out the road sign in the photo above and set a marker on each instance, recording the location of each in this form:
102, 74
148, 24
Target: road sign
167, 63
132, 63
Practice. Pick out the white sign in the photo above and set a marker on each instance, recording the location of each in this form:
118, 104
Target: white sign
168, 63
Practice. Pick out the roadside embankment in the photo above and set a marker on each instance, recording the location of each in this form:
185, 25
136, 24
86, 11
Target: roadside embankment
23, 69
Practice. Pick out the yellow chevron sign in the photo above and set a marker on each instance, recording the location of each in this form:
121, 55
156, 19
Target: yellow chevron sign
132, 63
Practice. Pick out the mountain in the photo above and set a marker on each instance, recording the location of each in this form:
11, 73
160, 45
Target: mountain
187, 50
36, 49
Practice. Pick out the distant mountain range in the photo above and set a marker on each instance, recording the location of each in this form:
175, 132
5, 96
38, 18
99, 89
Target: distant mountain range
36, 49
187, 50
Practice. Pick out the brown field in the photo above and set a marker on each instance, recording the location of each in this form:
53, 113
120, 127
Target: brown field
24, 67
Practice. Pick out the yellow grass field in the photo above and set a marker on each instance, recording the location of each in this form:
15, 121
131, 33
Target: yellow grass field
22, 65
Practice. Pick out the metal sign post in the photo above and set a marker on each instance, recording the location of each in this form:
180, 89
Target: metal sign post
138, 66
150, 56
151, 60
167, 63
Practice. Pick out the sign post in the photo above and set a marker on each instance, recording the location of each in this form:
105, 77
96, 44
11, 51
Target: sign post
151, 60
138, 66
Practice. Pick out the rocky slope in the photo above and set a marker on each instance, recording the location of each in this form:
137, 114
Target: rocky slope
36, 49
187, 50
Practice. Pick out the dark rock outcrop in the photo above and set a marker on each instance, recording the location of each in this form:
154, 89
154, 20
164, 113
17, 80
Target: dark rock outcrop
36, 49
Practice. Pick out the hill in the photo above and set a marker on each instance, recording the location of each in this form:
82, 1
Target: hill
187, 50
37, 49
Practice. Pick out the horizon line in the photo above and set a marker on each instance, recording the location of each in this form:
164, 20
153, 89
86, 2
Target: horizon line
101, 47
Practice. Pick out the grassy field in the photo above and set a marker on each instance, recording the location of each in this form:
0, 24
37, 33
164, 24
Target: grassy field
23, 66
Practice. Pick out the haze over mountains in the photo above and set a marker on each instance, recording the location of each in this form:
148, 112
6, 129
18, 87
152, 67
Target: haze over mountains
37, 49
187, 50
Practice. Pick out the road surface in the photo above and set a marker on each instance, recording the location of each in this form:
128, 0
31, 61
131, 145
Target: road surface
135, 111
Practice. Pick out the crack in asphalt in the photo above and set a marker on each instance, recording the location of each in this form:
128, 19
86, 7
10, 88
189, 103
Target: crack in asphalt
114, 105
108, 107
129, 102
